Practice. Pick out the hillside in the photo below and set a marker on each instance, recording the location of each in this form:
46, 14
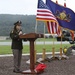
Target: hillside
28, 23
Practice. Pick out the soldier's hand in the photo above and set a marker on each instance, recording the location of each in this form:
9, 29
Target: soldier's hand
20, 32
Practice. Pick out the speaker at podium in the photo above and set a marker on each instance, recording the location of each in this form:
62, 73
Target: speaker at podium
31, 37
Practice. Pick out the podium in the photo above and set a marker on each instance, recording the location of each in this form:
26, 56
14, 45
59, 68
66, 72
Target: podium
31, 37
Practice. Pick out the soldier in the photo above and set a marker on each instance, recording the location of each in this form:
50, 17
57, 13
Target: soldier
16, 46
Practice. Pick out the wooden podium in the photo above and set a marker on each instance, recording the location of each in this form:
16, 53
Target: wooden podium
31, 37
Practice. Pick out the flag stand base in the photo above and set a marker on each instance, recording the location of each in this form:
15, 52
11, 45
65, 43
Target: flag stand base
51, 58
63, 57
29, 72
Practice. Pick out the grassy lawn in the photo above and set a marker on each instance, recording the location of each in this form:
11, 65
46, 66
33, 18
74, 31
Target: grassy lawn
39, 48
7, 49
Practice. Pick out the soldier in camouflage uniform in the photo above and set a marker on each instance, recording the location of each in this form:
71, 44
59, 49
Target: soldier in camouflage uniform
16, 46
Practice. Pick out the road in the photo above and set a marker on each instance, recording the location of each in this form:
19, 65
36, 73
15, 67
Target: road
40, 43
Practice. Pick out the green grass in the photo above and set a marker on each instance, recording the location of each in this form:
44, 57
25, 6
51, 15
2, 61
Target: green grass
39, 48
7, 49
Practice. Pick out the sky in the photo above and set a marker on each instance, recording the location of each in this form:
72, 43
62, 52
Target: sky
27, 7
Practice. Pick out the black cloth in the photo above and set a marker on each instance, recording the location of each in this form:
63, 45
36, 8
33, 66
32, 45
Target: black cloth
16, 41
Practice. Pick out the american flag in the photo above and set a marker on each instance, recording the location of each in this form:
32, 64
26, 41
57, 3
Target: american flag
43, 12
53, 28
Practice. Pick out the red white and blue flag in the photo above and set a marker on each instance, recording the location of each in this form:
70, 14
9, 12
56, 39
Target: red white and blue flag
53, 28
43, 12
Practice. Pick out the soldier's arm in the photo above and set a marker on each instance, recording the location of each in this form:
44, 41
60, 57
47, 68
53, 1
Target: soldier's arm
13, 35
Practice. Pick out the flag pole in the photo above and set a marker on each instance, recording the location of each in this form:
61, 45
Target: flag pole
61, 39
56, 2
36, 27
62, 57
64, 3
53, 28
61, 46
53, 48
35, 44
44, 50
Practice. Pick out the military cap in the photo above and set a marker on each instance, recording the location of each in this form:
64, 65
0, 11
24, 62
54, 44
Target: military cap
18, 22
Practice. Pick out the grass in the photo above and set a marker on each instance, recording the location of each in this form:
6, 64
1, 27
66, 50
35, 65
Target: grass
7, 49
39, 48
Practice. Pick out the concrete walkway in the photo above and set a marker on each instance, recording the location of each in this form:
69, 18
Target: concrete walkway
8, 55
38, 43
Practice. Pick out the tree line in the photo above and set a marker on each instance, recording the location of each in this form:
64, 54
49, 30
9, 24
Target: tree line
28, 23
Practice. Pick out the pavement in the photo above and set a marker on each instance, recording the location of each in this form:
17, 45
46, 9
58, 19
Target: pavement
55, 67
39, 43
9, 55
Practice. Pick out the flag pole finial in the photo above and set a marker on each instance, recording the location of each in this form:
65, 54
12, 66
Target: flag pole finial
56, 2
64, 3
